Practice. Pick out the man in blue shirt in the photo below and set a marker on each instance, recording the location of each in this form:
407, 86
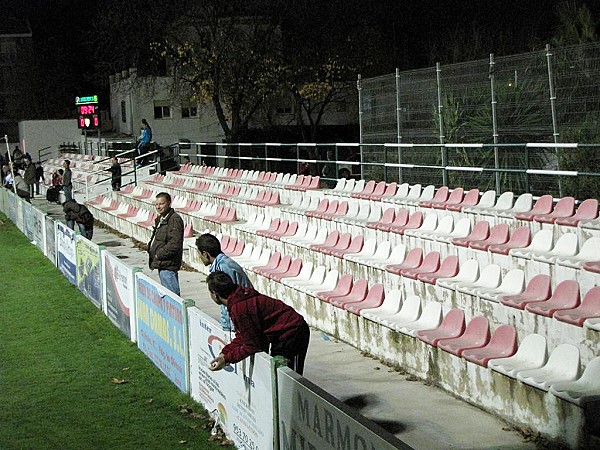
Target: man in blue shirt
212, 255
143, 144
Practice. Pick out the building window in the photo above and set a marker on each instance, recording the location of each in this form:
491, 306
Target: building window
188, 111
162, 110
123, 112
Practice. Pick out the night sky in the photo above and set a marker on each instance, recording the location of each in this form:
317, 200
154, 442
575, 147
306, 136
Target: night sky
408, 34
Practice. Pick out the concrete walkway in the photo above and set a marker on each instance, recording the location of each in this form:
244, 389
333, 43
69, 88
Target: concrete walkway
422, 416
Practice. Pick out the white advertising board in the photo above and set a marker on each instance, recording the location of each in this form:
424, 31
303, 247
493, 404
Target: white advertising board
119, 294
241, 394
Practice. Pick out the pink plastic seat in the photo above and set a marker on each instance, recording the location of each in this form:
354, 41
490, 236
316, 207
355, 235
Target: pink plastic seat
543, 205
430, 263
455, 198
471, 198
448, 268
330, 211
588, 210
414, 221
390, 191
342, 244
440, 196
539, 289
387, 219
413, 259
290, 230
357, 294
330, 241
272, 263
282, 267
498, 235
280, 230
343, 287
566, 295
480, 231
520, 238
564, 208
356, 245
374, 299
321, 207
476, 335
502, 344
272, 228
377, 192
400, 220
452, 326
292, 271
341, 210
367, 190
589, 307
592, 266
238, 249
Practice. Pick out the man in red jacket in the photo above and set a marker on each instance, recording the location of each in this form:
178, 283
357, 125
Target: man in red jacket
262, 324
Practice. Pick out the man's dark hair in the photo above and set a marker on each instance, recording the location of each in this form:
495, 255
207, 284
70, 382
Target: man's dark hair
209, 243
220, 283
164, 195
67, 162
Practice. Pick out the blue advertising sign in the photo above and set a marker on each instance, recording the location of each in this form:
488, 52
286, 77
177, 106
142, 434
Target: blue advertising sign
65, 252
162, 329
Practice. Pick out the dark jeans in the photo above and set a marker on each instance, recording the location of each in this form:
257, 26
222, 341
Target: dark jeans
294, 349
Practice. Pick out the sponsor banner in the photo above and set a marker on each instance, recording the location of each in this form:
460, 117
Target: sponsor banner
240, 395
310, 418
39, 228
27, 220
119, 294
89, 270
65, 252
11, 211
161, 321
50, 237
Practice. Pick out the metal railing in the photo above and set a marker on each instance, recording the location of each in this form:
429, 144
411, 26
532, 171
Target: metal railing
538, 168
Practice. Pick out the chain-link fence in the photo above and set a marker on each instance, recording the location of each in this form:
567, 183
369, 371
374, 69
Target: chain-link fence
549, 96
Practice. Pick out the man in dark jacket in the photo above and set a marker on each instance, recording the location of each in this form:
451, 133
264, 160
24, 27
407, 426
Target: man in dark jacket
262, 324
165, 248
115, 170
75, 212
67, 183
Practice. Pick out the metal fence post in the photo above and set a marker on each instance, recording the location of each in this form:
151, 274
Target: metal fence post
398, 127
553, 108
494, 120
444, 150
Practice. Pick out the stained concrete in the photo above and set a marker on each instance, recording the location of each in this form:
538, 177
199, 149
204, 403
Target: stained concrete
422, 416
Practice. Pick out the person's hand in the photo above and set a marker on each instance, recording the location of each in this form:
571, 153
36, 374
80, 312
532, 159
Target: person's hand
218, 363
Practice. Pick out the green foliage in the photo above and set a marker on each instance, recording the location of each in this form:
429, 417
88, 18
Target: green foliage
69, 379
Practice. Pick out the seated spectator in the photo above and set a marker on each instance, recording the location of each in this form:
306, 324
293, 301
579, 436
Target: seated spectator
75, 212
22, 188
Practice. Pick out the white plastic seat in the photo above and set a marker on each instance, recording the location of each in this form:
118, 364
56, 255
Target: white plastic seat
262, 260
358, 187
409, 312
588, 385
503, 204
353, 207
566, 245
487, 200
391, 305
541, 242
304, 275
430, 318
309, 233
531, 354
562, 365
246, 253
396, 256
382, 253
328, 284
369, 248
254, 256
401, 193
587, 252
460, 230
426, 194
513, 283
467, 273
317, 276
361, 215
349, 186
523, 203
592, 323
444, 228
429, 225
490, 278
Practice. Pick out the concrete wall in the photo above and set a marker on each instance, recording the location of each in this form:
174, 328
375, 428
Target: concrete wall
37, 134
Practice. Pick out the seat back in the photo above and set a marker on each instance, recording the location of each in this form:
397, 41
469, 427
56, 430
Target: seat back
480, 231
456, 196
541, 241
414, 192
441, 194
520, 237
565, 207
588, 209
543, 205
539, 287
383, 250
566, 293
499, 234
491, 276
414, 258
477, 331
356, 244
523, 203
379, 188
566, 245
401, 217
410, 310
